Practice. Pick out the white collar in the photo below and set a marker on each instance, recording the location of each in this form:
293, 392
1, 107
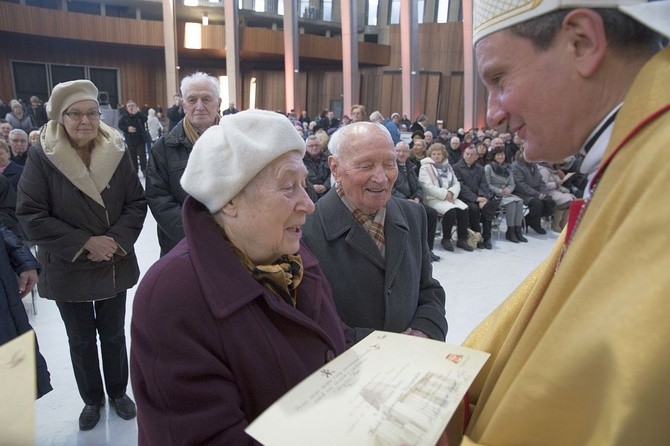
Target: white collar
598, 141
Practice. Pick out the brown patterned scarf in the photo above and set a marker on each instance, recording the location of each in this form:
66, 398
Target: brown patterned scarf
281, 278
373, 224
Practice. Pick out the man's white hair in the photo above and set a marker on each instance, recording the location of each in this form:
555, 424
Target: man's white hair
199, 76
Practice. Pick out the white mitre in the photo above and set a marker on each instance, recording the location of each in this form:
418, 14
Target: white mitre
490, 16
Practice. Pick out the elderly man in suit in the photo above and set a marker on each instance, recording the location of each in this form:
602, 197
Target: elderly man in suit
372, 246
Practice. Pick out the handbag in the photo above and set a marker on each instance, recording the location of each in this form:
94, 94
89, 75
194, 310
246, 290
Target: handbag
473, 238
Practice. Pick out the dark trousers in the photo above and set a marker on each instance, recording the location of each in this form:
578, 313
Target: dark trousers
82, 321
481, 216
138, 151
461, 218
537, 209
431, 215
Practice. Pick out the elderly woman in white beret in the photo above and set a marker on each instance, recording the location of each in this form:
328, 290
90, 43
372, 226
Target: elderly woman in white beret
239, 311
79, 200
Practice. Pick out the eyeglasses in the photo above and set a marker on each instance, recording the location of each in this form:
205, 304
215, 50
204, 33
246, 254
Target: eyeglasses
78, 116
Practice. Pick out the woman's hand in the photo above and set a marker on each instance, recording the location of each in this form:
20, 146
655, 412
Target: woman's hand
100, 248
450, 197
27, 280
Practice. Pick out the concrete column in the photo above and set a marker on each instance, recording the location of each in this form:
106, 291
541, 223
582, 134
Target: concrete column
170, 43
474, 91
233, 52
291, 56
409, 57
350, 77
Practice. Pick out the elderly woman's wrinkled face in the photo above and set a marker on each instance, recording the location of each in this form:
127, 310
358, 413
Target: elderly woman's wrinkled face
4, 156
314, 147
270, 212
18, 111
5, 128
34, 138
82, 121
357, 114
419, 149
437, 156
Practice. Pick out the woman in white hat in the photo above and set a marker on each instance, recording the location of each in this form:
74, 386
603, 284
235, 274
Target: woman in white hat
80, 201
239, 311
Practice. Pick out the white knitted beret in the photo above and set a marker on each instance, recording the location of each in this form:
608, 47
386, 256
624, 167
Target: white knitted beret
229, 155
67, 93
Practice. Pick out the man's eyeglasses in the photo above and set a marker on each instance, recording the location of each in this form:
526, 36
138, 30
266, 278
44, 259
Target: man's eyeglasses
78, 116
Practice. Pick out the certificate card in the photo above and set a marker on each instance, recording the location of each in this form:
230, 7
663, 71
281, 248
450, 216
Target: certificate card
388, 389
17, 390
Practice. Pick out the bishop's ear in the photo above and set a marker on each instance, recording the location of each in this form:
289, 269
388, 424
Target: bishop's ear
586, 36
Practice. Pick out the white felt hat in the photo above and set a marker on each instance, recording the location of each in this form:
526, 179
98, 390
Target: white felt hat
67, 93
229, 155
490, 16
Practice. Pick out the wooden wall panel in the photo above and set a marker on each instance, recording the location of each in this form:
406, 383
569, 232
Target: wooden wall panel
17, 18
440, 51
141, 70
371, 91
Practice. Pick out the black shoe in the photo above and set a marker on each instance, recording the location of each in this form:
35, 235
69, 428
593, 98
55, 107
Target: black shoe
518, 231
511, 235
446, 244
487, 244
125, 408
90, 416
480, 244
464, 245
539, 229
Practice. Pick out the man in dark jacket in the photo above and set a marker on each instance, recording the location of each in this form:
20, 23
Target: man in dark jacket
532, 189
372, 246
170, 153
37, 112
476, 194
132, 125
316, 162
407, 187
176, 112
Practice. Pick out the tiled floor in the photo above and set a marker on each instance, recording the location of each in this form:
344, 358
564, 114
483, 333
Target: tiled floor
475, 283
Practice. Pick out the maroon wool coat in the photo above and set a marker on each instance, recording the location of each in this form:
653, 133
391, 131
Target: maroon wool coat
212, 348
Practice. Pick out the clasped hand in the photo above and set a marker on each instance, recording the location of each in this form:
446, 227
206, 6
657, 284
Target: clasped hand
100, 248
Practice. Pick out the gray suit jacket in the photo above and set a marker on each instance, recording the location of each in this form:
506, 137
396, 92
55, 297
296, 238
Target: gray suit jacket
372, 293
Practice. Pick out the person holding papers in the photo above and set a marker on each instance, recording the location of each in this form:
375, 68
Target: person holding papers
239, 311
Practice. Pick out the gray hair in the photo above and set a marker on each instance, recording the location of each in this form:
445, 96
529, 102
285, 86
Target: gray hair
313, 138
402, 144
14, 103
199, 76
343, 134
17, 132
376, 116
